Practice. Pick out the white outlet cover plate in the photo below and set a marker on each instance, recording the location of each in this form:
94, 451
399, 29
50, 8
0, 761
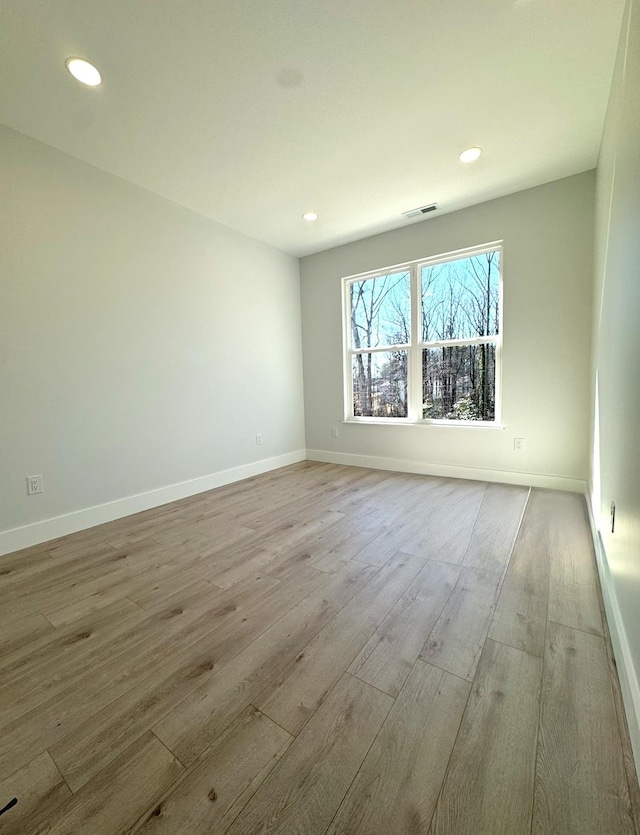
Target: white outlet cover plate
34, 484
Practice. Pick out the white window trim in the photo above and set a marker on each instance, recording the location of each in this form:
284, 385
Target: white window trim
415, 348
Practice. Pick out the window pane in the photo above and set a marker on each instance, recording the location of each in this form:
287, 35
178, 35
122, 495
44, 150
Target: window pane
380, 384
380, 310
459, 382
460, 298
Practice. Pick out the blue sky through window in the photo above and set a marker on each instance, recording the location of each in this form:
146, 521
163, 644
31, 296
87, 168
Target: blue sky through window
460, 299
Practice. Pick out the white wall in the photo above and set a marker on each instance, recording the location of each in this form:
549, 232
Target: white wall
615, 474
547, 233
141, 344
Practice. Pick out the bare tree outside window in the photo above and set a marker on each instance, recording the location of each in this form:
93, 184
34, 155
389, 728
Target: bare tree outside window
460, 301
458, 319
379, 318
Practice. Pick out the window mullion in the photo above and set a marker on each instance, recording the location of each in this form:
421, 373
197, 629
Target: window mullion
415, 365
472, 340
381, 349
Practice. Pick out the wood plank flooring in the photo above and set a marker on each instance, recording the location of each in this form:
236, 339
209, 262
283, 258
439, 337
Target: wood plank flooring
320, 649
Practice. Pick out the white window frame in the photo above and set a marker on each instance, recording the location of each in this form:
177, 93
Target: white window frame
415, 347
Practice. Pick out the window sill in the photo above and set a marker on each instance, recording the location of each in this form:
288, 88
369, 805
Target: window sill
458, 424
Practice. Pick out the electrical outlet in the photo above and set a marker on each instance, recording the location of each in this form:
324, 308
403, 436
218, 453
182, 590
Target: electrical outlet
518, 444
34, 484
334, 431
258, 438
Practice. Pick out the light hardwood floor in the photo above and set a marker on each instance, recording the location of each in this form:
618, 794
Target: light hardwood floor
320, 649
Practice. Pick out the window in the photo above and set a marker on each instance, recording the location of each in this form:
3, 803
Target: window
423, 340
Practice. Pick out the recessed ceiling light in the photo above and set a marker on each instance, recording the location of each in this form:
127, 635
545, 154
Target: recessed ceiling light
310, 216
84, 72
470, 155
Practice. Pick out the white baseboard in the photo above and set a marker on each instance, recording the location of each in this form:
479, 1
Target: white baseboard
624, 661
79, 520
399, 465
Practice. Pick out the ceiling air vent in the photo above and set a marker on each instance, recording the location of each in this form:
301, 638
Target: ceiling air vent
423, 210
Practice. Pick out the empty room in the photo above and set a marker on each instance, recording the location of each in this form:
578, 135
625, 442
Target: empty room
319, 437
